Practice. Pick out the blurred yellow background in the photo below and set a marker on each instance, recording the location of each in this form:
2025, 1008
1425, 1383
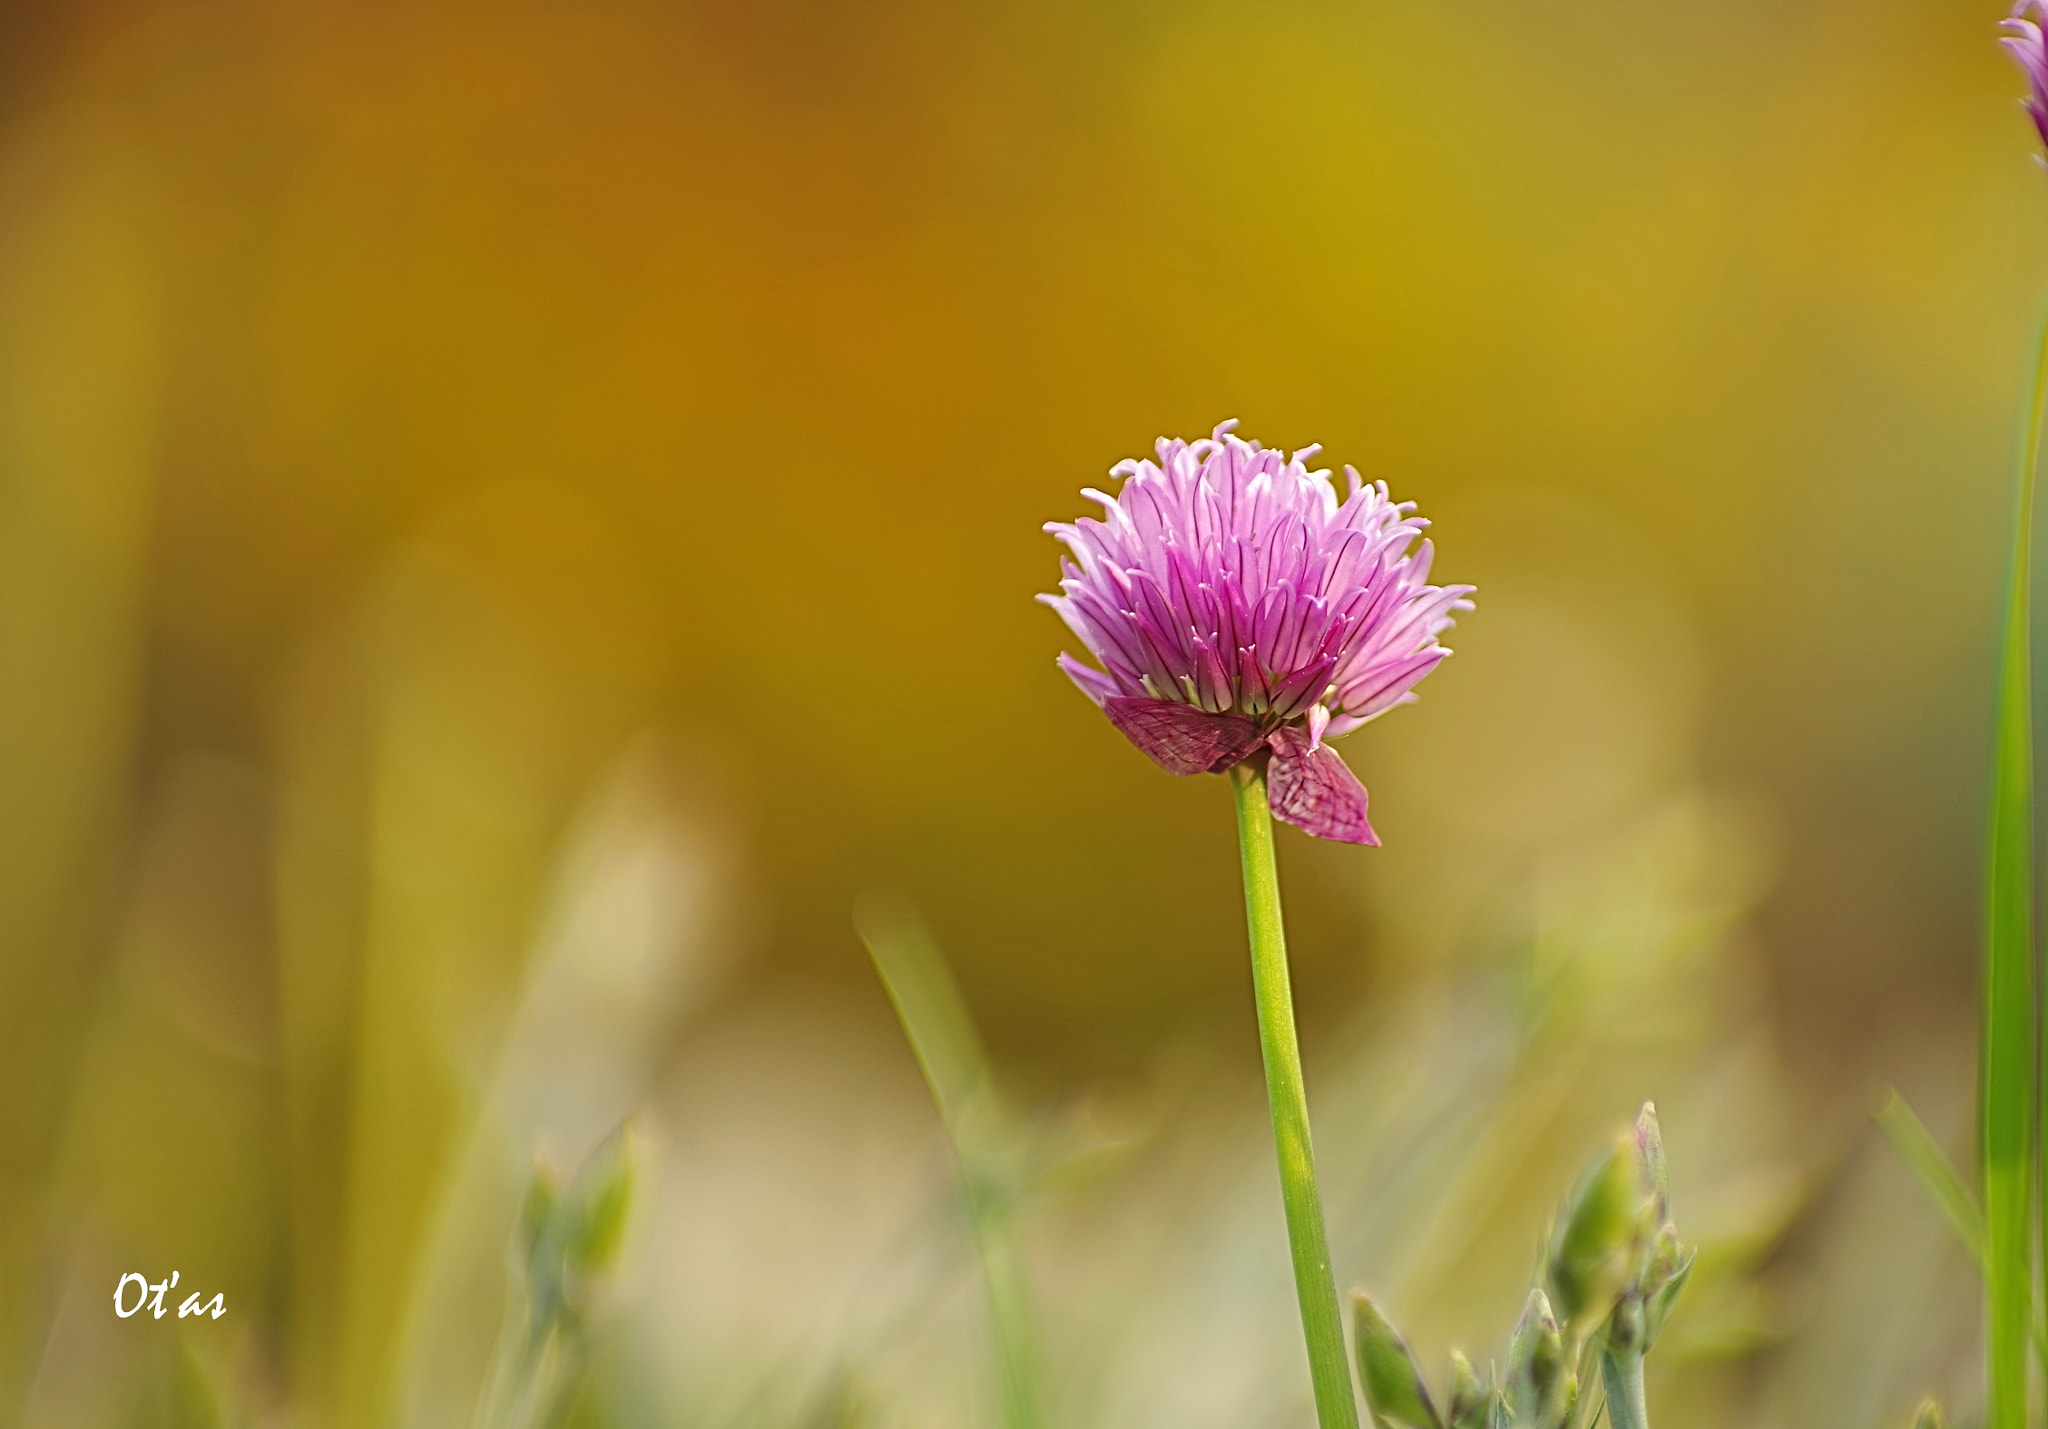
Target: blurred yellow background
513, 515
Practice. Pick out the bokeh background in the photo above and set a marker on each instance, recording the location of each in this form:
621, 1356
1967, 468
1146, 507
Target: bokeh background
514, 515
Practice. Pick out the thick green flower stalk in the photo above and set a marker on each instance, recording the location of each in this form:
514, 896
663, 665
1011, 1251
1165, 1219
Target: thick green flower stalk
1315, 1286
1611, 1272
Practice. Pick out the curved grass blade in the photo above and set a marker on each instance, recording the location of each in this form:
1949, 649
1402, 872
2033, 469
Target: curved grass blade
1917, 1147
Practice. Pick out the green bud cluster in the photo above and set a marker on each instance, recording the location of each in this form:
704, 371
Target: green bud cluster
1612, 1268
569, 1238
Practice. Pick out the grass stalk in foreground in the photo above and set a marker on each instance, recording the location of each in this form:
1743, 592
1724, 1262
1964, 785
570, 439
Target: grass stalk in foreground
1321, 1319
955, 1065
2008, 1091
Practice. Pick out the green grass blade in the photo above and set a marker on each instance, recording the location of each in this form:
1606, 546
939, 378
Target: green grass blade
934, 1016
1921, 1152
1938, 1175
2008, 1073
985, 1143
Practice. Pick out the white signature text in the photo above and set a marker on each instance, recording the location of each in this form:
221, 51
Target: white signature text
218, 1305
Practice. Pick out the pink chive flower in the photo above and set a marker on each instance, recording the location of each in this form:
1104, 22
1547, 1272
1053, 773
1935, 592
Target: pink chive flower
2027, 46
1237, 605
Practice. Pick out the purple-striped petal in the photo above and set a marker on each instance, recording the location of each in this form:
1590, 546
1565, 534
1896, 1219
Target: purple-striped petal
1180, 738
1091, 681
2025, 43
1310, 787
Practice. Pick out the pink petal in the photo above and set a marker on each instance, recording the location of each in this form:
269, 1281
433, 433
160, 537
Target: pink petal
1312, 788
1180, 738
1091, 681
1318, 721
1343, 724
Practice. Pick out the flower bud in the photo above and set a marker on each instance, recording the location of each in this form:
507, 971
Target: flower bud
571, 1236
603, 1195
1469, 1399
1649, 1140
1538, 1388
1670, 1267
1667, 1256
1394, 1387
1593, 1253
1928, 1416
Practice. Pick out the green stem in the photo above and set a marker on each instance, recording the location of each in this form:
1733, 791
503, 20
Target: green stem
2010, 1066
1009, 1310
1622, 1374
1321, 1321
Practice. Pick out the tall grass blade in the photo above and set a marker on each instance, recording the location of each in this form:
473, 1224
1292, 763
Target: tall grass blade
985, 1144
1916, 1145
928, 1002
2008, 1073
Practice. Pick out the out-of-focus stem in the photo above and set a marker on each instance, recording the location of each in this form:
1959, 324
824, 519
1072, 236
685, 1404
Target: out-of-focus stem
1321, 1320
1009, 1311
949, 1049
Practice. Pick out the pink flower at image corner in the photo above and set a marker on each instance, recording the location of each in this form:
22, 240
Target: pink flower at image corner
2029, 49
1235, 605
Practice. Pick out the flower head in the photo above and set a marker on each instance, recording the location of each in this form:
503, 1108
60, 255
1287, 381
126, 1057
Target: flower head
2030, 50
1236, 604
